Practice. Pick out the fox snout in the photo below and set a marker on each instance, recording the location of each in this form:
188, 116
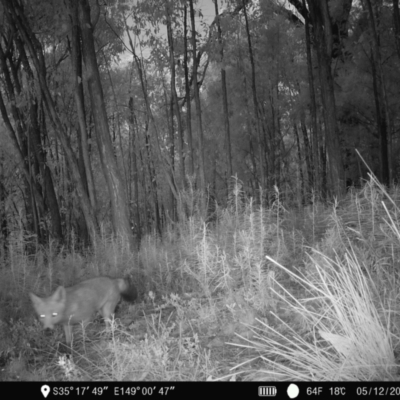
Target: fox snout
48, 325
47, 331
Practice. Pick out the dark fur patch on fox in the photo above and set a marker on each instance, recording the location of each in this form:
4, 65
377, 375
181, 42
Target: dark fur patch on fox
130, 293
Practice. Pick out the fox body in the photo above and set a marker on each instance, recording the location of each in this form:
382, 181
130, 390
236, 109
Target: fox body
76, 304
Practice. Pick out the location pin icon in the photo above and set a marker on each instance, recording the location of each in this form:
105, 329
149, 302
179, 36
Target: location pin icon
45, 390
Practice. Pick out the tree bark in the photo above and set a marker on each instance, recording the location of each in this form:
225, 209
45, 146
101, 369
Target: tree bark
300, 163
119, 209
308, 154
51, 202
224, 95
4, 231
136, 209
187, 94
76, 61
169, 115
255, 101
176, 106
396, 24
313, 110
323, 40
379, 94
199, 123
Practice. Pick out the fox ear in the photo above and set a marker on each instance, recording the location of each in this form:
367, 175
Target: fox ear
60, 294
35, 299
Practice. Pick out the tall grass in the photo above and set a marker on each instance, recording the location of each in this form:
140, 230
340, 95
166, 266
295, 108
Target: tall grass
259, 292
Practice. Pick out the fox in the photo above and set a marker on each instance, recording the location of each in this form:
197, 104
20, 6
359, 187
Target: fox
73, 305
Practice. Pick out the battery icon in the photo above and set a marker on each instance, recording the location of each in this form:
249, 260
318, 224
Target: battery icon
266, 391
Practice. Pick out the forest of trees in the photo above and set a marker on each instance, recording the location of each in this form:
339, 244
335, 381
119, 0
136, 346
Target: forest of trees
139, 113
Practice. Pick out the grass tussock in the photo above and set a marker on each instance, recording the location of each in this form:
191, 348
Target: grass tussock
277, 293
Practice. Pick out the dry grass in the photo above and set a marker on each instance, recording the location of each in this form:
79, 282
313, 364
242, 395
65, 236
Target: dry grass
261, 293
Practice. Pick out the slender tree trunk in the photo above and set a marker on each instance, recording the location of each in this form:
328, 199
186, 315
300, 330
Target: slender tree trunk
300, 161
119, 210
313, 110
307, 154
33, 209
249, 129
379, 94
224, 95
116, 129
255, 101
323, 162
273, 140
135, 175
396, 24
3, 216
50, 197
153, 182
176, 107
199, 124
169, 115
76, 60
187, 94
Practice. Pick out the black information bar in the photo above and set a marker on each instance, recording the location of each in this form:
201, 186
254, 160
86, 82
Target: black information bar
184, 390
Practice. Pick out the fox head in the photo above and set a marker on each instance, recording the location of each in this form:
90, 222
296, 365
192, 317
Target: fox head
50, 309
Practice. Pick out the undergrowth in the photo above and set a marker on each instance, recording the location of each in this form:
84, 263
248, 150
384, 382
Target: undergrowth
259, 293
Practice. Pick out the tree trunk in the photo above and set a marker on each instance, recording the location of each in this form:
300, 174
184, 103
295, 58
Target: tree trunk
323, 40
50, 197
187, 94
176, 107
300, 163
199, 124
255, 101
153, 181
313, 111
169, 104
119, 209
3, 216
133, 131
249, 128
76, 61
379, 94
308, 154
396, 24
224, 95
